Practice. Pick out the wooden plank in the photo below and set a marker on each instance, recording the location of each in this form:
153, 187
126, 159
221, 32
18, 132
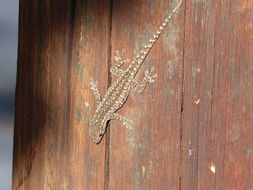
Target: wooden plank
52, 149
147, 156
218, 103
62, 44
90, 60
42, 94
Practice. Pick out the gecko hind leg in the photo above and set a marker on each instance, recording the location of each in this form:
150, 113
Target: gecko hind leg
94, 88
115, 69
148, 78
126, 122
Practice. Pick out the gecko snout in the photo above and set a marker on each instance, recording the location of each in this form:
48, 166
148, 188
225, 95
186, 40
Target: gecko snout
96, 133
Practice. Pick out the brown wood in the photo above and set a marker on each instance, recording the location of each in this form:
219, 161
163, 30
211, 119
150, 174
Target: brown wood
192, 127
218, 103
62, 44
148, 155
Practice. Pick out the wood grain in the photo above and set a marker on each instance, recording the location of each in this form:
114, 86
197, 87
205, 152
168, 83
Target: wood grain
42, 98
90, 60
217, 117
192, 127
62, 44
147, 156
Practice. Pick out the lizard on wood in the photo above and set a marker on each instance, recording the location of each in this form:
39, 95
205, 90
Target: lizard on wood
118, 92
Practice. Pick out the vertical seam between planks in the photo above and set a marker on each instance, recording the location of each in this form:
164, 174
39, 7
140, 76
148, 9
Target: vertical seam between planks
213, 76
107, 140
182, 99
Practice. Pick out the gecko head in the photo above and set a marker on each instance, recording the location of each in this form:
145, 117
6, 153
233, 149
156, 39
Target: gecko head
97, 130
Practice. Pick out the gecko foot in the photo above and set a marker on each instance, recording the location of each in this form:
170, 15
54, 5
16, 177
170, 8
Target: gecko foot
115, 69
119, 57
150, 76
94, 88
126, 122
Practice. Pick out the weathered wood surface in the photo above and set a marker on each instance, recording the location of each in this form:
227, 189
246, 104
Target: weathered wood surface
193, 128
147, 156
217, 119
62, 44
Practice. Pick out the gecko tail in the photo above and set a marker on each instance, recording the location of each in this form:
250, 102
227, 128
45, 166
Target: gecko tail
146, 49
163, 26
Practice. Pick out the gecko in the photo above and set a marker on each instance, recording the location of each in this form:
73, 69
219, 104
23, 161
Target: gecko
118, 91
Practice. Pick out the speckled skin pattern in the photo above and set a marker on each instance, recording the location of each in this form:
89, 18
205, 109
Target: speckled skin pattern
118, 92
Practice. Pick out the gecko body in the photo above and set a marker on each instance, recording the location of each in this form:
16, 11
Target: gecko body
118, 92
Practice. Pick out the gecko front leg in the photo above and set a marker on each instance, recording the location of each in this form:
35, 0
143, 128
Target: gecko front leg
125, 121
94, 88
115, 69
148, 78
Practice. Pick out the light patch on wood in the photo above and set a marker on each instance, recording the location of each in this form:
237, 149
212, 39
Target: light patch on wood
150, 168
78, 67
172, 5
196, 101
195, 71
152, 6
131, 133
131, 138
79, 112
245, 5
170, 94
190, 152
86, 104
87, 110
141, 37
169, 39
89, 21
249, 150
170, 70
143, 171
82, 35
212, 168
234, 133
199, 1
